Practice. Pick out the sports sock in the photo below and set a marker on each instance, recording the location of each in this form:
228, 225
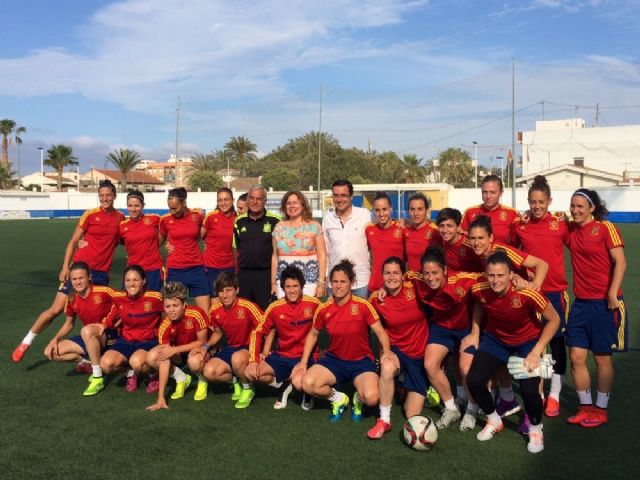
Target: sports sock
461, 393
29, 337
336, 396
556, 386
585, 397
179, 375
494, 418
234, 379
82, 361
385, 413
131, 372
275, 384
97, 371
602, 400
450, 404
535, 428
201, 379
472, 408
506, 394
246, 386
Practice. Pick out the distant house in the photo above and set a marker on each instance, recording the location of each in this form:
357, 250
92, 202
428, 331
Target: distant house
136, 179
573, 177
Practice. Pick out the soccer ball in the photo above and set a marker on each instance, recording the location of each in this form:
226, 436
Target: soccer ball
420, 433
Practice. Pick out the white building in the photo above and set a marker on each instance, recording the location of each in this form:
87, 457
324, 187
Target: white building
557, 144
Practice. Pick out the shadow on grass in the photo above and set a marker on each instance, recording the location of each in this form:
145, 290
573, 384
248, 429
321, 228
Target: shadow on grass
36, 365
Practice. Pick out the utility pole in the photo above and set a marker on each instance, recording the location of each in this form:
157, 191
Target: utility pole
177, 128
597, 114
320, 150
513, 132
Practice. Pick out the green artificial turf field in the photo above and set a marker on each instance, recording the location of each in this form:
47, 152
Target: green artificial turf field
49, 430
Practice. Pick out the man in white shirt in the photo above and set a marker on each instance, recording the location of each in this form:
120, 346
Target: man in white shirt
344, 235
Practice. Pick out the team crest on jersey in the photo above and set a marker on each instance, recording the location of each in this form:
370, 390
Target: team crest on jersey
460, 291
503, 215
308, 312
409, 294
97, 299
281, 317
240, 314
397, 233
147, 306
97, 218
428, 234
516, 303
554, 225
188, 323
126, 229
266, 228
194, 217
146, 221
354, 310
594, 231
462, 252
171, 222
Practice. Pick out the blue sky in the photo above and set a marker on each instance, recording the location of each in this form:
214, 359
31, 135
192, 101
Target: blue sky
409, 76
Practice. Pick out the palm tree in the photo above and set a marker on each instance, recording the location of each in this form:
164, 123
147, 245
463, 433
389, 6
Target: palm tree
202, 162
18, 138
59, 157
124, 160
242, 151
6, 127
6, 178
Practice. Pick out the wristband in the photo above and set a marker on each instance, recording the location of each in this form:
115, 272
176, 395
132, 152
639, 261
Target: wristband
206, 346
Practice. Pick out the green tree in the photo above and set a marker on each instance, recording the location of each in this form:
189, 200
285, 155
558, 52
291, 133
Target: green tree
59, 157
124, 160
205, 180
243, 151
455, 167
6, 178
6, 127
203, 162
412, 169
281, 178
18, 139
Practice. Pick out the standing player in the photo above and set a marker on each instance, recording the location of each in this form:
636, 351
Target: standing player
181, 229
347, 319
503, 219
384, 238
598, 318
291, 318
544, 236
99, 226
235, 318
513, 328
421, 233
92, 305
183, 329
459, 254
406, 326
217, 231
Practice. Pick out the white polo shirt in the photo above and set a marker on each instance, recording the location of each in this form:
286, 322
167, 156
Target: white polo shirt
348, 240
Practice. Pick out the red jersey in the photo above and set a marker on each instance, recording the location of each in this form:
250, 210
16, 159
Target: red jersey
592, 265
218, 240
515, 255
94, 308
348, 327
140, 315
184, 234
502, 221
101, 233
383, 243
451, 304
238, 322
545, 238
185, 330
460, 257
404, 321
292, 322
513, 318
140, 238
417, 240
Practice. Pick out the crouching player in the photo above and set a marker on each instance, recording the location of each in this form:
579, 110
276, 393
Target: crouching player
92, 304
291, 317
234, 318
183, 329
513, 328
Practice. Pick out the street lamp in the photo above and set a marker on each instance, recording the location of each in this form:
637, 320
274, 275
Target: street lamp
41, 168
501, 168
475, 162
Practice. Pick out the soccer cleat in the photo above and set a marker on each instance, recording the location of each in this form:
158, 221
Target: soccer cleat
84, 367
595, 418
283, 395
132, 384
433, 397
536, 442
246, 396
489, 431
307, 402
237, 391
467, 423
96, 385
181, 387
505, 408
19, 352
552, 408
448, 417
338, 408
153, 385
356, 409
201, 391
580, 415
525, 425
379, 429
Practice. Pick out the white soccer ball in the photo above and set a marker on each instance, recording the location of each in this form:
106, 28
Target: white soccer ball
420, 433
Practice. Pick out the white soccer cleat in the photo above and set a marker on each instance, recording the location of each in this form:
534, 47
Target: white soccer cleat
489, 431
467, 423
448, 417
536, 442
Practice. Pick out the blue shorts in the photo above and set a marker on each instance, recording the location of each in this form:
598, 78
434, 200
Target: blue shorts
225, 353
97, 278
194, 278
346, 370
594, 327
449, 338
111, 337
212, 274
282, 366
127, 348
502, 351
413, 372
560, 302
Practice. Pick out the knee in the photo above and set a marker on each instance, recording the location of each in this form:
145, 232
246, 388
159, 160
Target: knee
388, 370
432, 367
370, 396
136, 362
308, 384
475, 381
195, 363
106, 364
578, 359
210, 371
